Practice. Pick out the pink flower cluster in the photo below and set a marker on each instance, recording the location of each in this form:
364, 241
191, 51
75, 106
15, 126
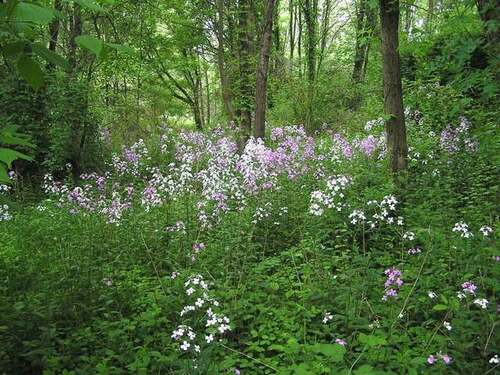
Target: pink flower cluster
393, 283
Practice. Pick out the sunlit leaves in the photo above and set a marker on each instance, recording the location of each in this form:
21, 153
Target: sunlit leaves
90, 43
26, 12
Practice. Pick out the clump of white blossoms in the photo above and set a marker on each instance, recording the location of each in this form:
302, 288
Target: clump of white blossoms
463, 229
204, 308
486, 230
409, 236
332, 197
4, 213
328, 316
431, 294
385, 212
481, 302
357, 216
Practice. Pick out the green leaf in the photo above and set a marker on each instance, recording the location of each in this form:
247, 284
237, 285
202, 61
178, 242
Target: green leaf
49, 56
13, 49
4, 177
26, 12
91, 43
335, 352
372, 340
121, 48
440, 307
303, 369
30, 71
8, 155
90, 5
10, 137
364, 370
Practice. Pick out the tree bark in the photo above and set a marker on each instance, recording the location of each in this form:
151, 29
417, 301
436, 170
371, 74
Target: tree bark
245, 70
54, 27
75, 31
359, 50
227, 96
393, 93
207, 89
291, 28
262, 71
310, 17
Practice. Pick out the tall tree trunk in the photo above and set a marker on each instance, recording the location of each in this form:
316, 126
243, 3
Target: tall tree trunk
75, 31
207, 88
325, 28
371, 22
393, 92
360, 35
245, 71
310, 17
199, 94
54, 27
299, 42
310, 8
292, 22
262, 71
225, 86
365, 26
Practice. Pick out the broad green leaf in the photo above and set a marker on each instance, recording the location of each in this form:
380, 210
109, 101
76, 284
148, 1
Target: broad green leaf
364, 370
121, 48
372, 340
27, 12
334, 352
49, 56
440, 307
8, 155
303, 369
90, 5
30, 71
91, 43
4, 177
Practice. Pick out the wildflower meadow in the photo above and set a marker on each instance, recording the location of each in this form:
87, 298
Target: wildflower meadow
300, 256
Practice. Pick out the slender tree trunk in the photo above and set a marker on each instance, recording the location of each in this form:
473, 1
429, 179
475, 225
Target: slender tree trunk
224, 79
262, 71
207, 88
199, 95
291, 28
245, 71
325, 27
393, 92
299, 43
54, 27
366, 21
310, 17
75, 31
360, 34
